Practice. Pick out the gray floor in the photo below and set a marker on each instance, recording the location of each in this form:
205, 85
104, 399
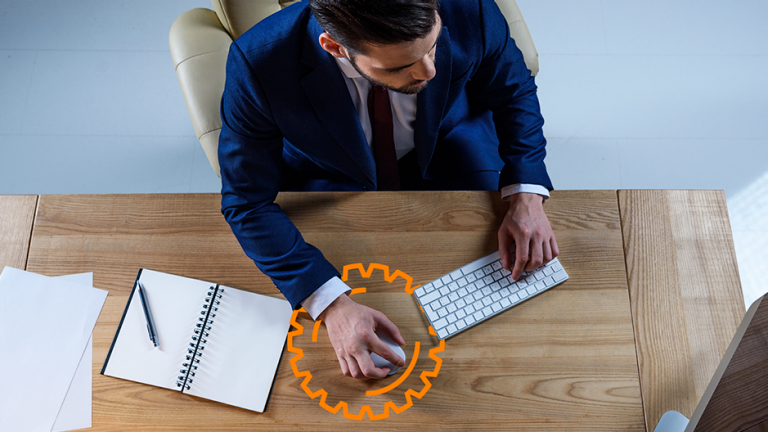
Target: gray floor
665, 94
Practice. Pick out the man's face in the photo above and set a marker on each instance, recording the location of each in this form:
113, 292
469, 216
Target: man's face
403, 68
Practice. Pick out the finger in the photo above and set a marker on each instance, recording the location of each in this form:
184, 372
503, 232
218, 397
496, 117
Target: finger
386, 353
344, 367
383, 322
504, 246
368, 369
521, 259
537, 255
555, 249
354, 370
547, 250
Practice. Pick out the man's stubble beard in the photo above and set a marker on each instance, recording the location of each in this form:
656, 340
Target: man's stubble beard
407, 89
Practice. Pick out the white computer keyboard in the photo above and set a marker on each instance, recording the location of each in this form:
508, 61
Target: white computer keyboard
480, 290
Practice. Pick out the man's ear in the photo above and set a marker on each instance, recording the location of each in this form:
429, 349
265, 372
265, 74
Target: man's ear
329, 44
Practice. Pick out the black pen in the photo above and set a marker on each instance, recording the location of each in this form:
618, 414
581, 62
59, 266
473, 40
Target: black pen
148, 315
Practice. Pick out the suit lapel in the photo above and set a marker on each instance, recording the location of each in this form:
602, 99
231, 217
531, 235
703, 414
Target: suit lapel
430, 103
326, 90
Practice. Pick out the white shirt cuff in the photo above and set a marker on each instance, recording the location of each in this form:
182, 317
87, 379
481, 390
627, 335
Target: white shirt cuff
507, 191
316, 303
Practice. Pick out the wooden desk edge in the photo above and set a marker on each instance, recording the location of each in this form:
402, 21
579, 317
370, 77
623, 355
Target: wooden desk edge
16, 225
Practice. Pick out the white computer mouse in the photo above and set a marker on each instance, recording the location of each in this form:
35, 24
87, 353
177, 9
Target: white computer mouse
379, 361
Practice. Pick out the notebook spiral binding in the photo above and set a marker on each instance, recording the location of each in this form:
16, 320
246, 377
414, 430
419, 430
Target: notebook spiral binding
200, 338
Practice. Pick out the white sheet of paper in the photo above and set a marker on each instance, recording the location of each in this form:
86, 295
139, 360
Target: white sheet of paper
49, 322
76, 411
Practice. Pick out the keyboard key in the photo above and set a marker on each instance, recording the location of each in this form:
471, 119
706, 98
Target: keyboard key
452, 328
435, 305
477, 295
560, 275
487, 311
460, 324
471, 288
453, 286
478, 305
496, 275
540, 286
495, 287
471, 278
496, 265
478, 315
462, 282
479, 274
531, 290
504, 282
451, 308
539, 275
442, 312
442, 333
442, 322
549, 281
505, 302
451, 318
495, 296
430, 297
505, 292
457, 275
446, 279
444, 290
453, 296
488, 270
444, 301
429, 288
487, 301
488, 280
432, 315
496, 307
486, 291
420, 292
460, 304
469, 319
463, 292
523, 294
469, 310
514, 298
548, 270
505, 272
460, 313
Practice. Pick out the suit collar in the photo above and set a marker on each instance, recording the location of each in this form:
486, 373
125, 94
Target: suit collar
326, 90
430, 104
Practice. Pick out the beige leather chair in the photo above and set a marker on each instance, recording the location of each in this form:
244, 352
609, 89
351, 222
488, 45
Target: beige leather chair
200, 40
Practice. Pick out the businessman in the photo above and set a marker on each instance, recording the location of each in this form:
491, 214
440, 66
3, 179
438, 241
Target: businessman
361, 95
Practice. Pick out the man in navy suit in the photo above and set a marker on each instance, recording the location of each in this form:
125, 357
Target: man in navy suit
298, 114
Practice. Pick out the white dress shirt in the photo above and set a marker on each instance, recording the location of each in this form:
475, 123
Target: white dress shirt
403, 118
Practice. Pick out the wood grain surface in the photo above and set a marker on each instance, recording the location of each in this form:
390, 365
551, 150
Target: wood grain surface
17, 214
564, 360
737, 397
685, 292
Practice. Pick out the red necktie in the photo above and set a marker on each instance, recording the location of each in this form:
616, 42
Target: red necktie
380, 114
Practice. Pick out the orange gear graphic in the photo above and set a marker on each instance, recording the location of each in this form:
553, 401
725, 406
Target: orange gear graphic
366, 409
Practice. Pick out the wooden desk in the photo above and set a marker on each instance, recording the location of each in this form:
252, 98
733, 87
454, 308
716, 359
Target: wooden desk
17, 213
565, 360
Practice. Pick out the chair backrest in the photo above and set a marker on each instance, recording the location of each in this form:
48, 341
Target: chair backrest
237, 16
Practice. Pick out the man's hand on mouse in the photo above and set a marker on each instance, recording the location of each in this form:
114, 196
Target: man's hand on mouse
351, 328
526, 226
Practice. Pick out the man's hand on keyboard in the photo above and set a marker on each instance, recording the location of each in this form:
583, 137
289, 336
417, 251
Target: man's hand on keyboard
527, 228
351, 329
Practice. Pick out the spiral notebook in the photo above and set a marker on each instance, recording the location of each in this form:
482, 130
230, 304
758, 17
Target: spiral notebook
215, 342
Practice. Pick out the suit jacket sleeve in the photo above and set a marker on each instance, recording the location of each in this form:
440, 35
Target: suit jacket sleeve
250, 156
504, 84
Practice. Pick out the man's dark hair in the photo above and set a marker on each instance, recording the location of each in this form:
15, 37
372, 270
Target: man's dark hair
376, 22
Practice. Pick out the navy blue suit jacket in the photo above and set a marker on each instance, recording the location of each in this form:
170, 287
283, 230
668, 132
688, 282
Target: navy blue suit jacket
289, 124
